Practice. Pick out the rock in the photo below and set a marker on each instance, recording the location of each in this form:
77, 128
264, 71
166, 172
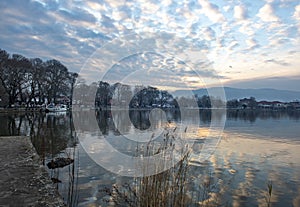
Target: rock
55, 180
59, 162
232, 171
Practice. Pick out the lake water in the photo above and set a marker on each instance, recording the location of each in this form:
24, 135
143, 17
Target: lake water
256, 148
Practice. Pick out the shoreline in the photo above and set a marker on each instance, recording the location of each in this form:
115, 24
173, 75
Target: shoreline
39, 110
24, 181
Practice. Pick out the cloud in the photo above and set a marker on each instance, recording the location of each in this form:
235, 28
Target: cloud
267, 14
78, 15
208, 34
233, 44
247, 28
278, 62
240, 12
46, 30
296, 14
226, 8
211, 11
252, 43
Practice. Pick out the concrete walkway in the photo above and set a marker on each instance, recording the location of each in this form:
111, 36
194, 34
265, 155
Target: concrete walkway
23, 180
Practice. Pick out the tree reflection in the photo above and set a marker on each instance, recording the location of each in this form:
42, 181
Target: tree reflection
253, 115
53, 135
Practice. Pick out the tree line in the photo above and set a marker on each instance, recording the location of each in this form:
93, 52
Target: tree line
32, 81
103, 95
122, 95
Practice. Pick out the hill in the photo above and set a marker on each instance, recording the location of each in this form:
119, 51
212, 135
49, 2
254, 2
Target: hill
260, 94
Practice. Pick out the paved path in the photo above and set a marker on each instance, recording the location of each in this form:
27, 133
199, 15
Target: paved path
23, 180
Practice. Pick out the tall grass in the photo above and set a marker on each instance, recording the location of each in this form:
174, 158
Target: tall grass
167, 188
269, 193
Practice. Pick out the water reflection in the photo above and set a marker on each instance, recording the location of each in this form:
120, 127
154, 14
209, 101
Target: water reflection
253, 115
257, 146
27, 123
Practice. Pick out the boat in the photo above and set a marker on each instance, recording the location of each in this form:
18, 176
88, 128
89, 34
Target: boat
56, 108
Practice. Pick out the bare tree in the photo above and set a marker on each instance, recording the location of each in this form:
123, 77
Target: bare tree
57, 80
13, 76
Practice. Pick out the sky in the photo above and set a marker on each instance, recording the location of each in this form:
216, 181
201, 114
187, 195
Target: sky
196, 43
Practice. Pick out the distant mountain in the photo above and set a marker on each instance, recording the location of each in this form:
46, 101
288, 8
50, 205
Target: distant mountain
237, 93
